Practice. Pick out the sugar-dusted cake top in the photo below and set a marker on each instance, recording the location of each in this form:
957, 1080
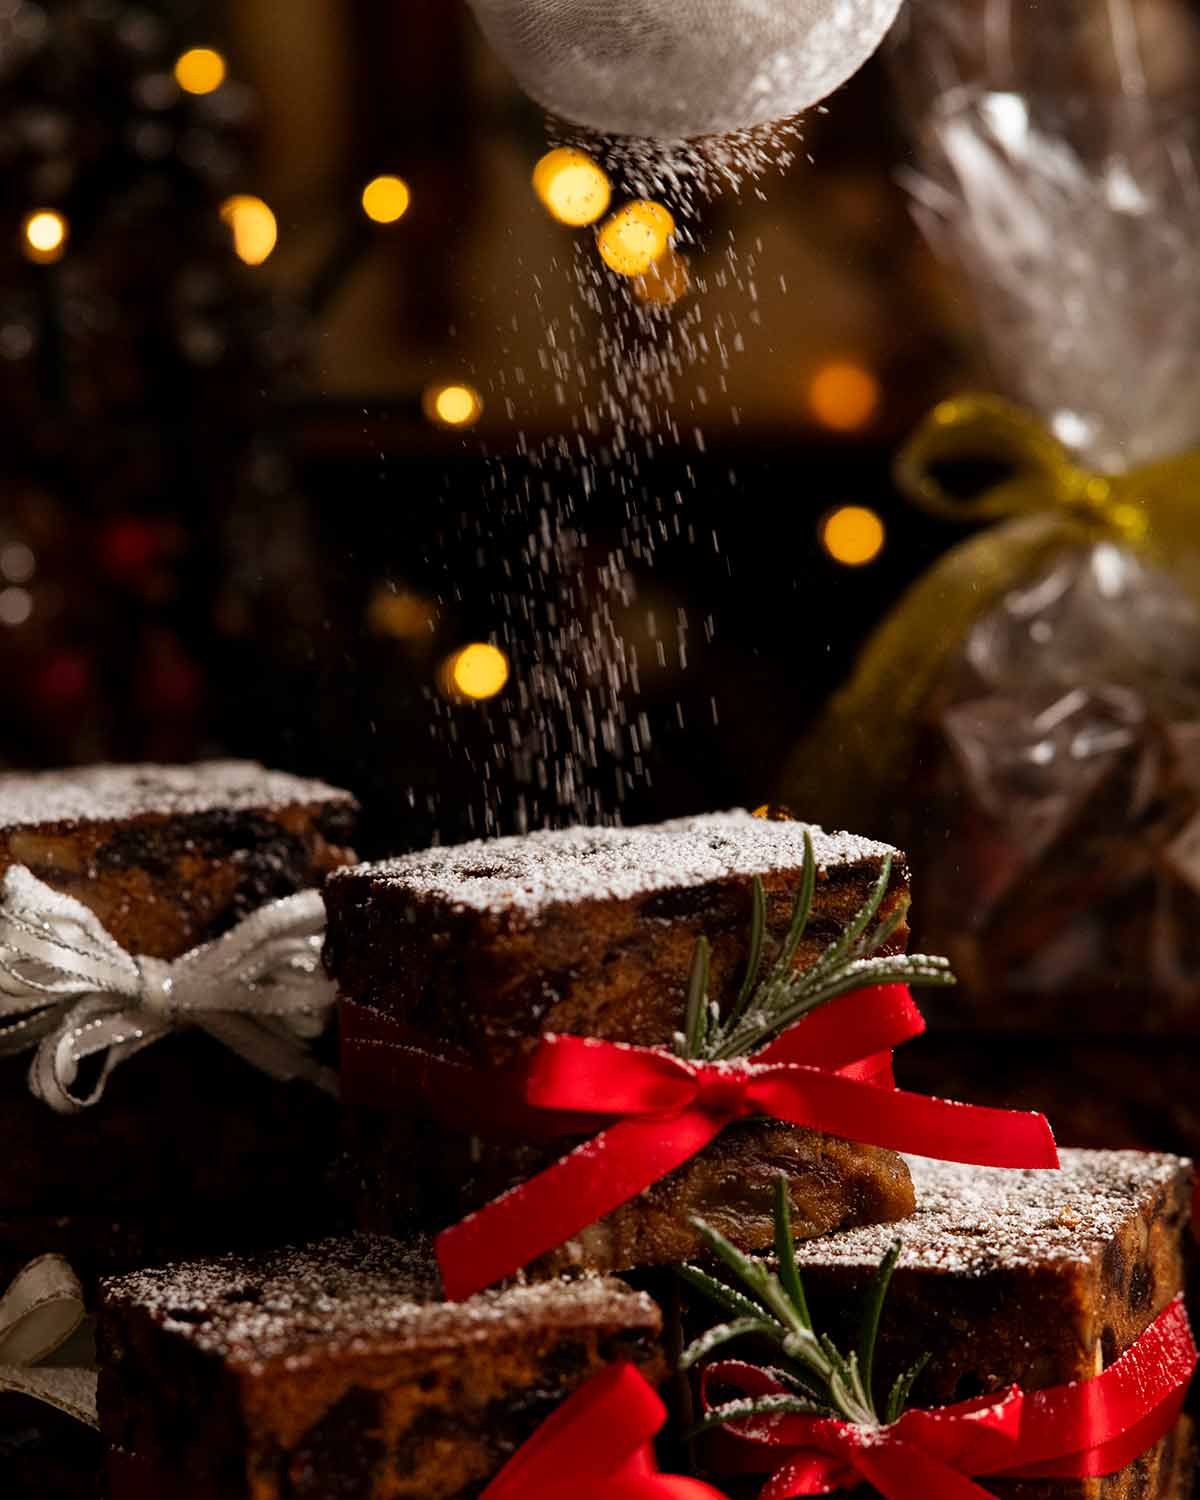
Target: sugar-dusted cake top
974, 1220
357, 1292
597, 864
114, 794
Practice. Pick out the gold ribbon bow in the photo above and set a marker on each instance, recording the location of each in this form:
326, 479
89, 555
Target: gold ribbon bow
864, 740
39, 1313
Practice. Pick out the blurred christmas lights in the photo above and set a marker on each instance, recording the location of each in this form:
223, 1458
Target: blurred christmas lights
476, 671
44, 235
633, 238
16, 605
843, 396
573, 188
17, 562
200, 70
667, 280
385, 200
452, 405
853, 535
253, 227
405, 616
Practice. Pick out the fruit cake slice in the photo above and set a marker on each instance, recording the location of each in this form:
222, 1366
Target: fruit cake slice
489, 946
336, 1370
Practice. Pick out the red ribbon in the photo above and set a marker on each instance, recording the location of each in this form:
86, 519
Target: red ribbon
1087, 1429
599, 1446
829, 1072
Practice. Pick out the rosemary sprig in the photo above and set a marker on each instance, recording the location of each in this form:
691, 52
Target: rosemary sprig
767, 1004
819, 1379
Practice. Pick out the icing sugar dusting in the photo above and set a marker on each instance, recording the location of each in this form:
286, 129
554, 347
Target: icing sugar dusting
545, 868
109, 794
974, 1220
357, 1293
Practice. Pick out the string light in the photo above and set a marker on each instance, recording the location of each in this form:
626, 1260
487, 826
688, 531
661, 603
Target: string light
476, 671
453, 405
253, 226
573, 188
385, 200
633, 238
853, 535
843, 396
44, 235
665, 282
200, 70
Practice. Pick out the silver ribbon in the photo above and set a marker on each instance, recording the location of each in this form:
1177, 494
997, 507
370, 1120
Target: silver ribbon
39, 1313
70, 990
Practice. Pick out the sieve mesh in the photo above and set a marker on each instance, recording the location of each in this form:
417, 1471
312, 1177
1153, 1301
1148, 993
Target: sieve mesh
682, 68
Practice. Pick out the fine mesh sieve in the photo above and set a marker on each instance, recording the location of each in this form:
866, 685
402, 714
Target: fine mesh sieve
682, 68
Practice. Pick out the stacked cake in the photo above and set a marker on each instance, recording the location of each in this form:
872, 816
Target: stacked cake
187, 1146
687, 1029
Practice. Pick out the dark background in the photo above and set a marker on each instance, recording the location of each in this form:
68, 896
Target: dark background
221, 469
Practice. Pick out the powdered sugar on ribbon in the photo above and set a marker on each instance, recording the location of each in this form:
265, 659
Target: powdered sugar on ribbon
68, 989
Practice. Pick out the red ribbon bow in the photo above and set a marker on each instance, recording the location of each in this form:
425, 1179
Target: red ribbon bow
599, 1446
1091, 1428
830, 1072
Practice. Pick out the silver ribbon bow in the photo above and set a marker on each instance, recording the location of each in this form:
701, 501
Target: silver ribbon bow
68, 989
39, 1313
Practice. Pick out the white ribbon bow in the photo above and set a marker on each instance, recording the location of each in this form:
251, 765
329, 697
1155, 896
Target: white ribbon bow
38, 1314
68, 989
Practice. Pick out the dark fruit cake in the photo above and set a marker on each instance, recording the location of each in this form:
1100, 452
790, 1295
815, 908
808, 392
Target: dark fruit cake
335, 1370
489, 946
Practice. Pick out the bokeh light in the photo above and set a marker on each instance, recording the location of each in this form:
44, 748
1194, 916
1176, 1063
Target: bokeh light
476, 671
843, 396
853, 535
453, 405
44, 235
200, 70
573, 188
16, 605
17, 562
402, 615
667, 280
633, 238
385, 200
253, 226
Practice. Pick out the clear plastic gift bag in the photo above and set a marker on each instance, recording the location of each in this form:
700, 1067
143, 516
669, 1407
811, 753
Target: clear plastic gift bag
1027, 721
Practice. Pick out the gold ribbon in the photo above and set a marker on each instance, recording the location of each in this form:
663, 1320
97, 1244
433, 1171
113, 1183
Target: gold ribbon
861, 747
39, 1313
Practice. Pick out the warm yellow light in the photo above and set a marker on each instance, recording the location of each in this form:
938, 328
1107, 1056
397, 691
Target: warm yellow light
200, 70
386, 199
44, 236
633, 238
853, 535
402, 615
253, 225
843, 395
573, 188
453, 405
477, 671
665, 282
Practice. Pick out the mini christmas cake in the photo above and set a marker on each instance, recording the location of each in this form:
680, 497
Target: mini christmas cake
335, 1370
484, 949
189, 1146
588, 931
1037, 1278
1002, 1279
